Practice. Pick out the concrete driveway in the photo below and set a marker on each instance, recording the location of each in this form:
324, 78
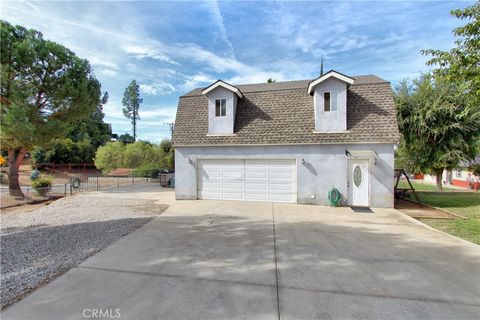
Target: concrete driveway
245, 260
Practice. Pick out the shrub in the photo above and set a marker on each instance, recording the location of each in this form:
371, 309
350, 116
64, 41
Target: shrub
138, 154
42, 182
150, 171
64, 151
141, 155
110, 156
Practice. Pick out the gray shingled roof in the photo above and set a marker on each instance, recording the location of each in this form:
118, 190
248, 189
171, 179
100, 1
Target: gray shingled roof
282, 113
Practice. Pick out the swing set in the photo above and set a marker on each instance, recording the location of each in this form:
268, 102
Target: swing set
401, 193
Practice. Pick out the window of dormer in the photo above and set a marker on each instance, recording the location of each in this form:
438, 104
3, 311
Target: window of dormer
326, 101
329, 101
220, 107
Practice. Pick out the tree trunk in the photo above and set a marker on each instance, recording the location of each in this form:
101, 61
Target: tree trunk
134, 127
439, 176
15, 158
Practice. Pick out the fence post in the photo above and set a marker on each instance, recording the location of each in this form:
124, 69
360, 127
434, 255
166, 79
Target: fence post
65, 189
70, 188
133, 179
27, 191
97, 183
118, 182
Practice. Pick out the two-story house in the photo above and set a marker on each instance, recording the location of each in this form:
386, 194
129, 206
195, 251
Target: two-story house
288, 141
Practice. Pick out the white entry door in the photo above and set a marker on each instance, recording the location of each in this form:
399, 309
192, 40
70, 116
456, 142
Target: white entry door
247, 180
358, 182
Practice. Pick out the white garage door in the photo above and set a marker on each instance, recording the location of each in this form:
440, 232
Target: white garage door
249, 180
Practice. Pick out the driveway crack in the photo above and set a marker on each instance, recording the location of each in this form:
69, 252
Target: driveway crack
275, 258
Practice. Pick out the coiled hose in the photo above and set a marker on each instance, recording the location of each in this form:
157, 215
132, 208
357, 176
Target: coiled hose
334, 197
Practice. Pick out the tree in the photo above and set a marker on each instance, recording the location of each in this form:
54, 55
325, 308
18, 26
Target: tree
438, 129
131, 101
44, 87
462, 63
92, 127
126, 138
270, 80
65, 151
109, 156
138, 154
167, 154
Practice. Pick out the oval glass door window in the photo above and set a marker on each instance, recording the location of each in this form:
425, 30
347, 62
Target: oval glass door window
357, 176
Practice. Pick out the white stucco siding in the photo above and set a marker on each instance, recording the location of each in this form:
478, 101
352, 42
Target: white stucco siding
325, 167
221, 125
335, 120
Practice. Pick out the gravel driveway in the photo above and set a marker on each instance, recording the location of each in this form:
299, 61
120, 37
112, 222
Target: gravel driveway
39, 245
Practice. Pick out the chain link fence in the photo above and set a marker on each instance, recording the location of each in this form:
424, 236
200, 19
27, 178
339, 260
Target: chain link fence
97, 183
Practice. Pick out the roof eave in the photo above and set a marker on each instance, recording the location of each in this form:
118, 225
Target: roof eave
225, 85
332, 73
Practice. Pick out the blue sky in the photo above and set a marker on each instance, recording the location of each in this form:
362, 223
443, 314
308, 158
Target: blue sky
173, 47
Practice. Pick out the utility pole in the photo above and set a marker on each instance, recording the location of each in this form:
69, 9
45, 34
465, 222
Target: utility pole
172, 126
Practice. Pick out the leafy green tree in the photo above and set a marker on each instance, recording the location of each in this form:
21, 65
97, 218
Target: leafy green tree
138, 154
167, 155
110, 156
438, 129
126, 138
462, 63
270, 80
92, 127
65, 151
131, 101
44, 87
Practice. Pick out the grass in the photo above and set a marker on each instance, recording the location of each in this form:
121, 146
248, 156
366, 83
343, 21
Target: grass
420, 186
466, 204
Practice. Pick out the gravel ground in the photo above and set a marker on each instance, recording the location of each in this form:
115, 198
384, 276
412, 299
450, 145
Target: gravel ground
39, 245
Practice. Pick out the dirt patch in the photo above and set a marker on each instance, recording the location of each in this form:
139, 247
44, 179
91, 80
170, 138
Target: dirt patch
10, 204
415, 210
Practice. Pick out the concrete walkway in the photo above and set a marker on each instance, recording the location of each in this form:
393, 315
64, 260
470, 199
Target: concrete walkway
246, 260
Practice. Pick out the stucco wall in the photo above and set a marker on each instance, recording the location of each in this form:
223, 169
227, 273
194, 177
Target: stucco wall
335, 120
221, 125
325, 167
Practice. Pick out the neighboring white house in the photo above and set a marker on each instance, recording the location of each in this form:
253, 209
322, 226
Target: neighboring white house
288, 141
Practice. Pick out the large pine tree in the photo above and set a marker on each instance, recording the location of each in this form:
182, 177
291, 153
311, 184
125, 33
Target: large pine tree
131, 102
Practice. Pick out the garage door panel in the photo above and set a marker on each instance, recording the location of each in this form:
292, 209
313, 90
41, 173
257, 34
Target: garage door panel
211, 175
232, 185
232, 175
280, 175
252, 186
256, 196
280, 186
256, 175
210, 195
211, 184
249, 179
232, 196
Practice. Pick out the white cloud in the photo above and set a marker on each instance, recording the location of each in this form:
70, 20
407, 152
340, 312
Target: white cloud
197, 80
157, 89
141, 52
96, 61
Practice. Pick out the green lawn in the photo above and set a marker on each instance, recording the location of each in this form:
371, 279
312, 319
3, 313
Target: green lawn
466, 204
420, 186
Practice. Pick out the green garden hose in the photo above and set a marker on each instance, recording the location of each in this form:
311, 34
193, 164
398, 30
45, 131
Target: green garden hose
334, 197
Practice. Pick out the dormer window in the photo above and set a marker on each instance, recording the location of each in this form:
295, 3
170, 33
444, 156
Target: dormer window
329, 101
220, 107
329, 93
326, 101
